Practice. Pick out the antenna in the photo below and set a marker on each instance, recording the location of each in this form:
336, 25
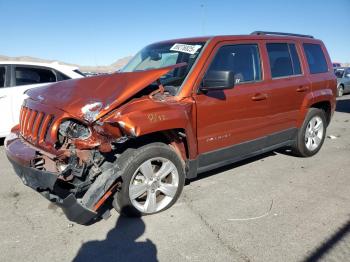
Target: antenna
202, 5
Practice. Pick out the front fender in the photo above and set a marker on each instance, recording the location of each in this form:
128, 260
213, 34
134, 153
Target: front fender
147, 116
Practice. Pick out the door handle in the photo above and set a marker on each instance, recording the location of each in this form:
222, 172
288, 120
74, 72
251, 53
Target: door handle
3, 96
259, 97
303, 88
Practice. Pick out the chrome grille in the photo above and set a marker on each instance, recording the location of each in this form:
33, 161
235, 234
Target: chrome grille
34, 124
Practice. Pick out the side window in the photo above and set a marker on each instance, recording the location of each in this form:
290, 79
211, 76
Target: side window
33, 75
295, 59
61, 77
2, 76
243, 60
315, 58
347, 73
284, 60
339, 72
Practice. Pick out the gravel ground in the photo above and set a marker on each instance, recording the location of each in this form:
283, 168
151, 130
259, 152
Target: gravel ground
272, 208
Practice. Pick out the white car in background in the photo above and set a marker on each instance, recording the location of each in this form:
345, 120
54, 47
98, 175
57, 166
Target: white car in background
17, 76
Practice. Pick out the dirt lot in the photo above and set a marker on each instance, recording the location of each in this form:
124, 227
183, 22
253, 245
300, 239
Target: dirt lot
272, 208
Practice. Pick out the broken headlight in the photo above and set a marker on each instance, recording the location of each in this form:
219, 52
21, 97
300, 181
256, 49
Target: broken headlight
73, 129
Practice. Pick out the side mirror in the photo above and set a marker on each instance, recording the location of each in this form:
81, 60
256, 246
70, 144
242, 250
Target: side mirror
218, 80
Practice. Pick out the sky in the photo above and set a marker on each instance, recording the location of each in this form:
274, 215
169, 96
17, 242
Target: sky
100, 32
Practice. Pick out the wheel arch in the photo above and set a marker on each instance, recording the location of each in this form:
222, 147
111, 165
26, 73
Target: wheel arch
177, 138
326, 107
324, 99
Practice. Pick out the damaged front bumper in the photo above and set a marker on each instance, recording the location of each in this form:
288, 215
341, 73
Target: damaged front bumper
46, 183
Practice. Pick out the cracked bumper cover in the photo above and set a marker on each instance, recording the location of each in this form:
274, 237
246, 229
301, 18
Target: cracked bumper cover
44, 182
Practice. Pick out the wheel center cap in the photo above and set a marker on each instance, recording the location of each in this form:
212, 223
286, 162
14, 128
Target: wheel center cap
312, 134
154, 185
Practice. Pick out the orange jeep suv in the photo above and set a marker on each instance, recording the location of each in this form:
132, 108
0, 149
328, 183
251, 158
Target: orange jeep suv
178, 108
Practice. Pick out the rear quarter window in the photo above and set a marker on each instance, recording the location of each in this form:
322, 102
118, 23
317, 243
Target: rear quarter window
315, 58
61, 77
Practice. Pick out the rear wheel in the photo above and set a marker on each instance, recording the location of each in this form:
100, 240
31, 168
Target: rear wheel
153, 178
340, 91
311, 135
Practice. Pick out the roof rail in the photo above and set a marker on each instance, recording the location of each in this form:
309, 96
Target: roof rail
279, 33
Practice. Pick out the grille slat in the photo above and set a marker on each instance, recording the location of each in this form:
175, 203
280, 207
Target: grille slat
31, 123
37, 125
34, 125
25, 112
21, 116
44, 128
27, 122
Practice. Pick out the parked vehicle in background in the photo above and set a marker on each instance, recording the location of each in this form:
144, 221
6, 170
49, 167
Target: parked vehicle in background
16, 77
336, 65
178, 108
343, 80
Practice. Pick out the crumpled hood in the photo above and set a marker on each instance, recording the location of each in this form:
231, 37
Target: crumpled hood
92, 97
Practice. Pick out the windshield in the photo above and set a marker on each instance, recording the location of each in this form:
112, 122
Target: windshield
339, 73
166, 54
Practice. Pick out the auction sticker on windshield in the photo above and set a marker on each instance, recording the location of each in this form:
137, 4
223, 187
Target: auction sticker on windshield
189, 49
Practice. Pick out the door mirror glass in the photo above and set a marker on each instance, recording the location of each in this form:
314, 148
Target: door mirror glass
217, 80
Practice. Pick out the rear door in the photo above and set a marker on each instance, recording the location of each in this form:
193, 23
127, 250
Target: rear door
288, 88
5, 100
233, 123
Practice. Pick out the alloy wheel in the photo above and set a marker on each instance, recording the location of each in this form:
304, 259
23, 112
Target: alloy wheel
154, 185
314, 133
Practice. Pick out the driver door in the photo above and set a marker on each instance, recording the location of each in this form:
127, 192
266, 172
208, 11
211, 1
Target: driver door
233, 123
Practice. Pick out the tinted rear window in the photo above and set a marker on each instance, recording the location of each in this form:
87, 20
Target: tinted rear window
284, 60
61, 76
315, 58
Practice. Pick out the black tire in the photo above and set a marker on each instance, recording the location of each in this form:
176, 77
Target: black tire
130, 161
299, 148
340, 91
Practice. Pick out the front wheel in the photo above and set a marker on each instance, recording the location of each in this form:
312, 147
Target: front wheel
153, 178
311, 135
